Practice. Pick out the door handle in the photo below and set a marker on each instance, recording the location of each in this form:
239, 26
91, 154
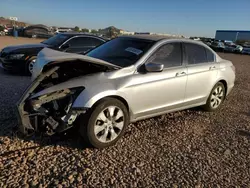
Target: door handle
180, 74
211, 68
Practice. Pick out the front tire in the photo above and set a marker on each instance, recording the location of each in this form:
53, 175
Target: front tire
30, 65
105, 123
215, 98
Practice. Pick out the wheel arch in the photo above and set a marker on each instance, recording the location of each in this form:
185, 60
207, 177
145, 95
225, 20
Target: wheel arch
28, 59
88, 99
224, 83
115, 97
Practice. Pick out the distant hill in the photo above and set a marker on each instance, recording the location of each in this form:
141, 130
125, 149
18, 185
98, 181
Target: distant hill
111, 28
110, 31
9, 23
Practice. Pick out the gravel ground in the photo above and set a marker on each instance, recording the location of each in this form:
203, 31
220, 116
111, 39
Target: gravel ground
8, 41
189, 148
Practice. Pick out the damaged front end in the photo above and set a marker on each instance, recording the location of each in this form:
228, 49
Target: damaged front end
47, 104
49, 113
42, 108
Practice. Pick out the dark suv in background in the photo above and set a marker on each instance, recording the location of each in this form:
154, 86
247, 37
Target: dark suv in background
37, 31
21, 58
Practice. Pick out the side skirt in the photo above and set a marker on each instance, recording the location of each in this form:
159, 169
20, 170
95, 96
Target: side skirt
166, 111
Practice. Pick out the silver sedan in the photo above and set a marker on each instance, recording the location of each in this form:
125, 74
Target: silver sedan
124, 80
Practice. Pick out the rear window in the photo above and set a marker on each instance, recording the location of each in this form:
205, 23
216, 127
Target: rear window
210, 55
195, 54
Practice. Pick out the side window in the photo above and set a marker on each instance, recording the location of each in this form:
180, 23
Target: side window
195, 54
96, 42
169, 54
77, 42
84, 41
210, 56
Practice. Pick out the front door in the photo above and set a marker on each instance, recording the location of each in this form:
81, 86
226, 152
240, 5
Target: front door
155, 92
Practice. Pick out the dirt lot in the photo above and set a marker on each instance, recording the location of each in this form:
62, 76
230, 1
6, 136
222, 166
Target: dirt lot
7, 41
183, 149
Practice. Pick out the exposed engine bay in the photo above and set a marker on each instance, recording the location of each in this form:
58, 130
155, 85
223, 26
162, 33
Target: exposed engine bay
52, 113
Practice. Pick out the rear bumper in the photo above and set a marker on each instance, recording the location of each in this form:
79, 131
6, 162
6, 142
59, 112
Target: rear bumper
229, 88
231, 83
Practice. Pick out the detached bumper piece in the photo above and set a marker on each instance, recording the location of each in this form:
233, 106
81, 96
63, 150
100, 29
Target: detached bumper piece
50, 113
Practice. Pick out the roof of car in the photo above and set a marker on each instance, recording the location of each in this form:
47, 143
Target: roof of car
78, 33
152, 37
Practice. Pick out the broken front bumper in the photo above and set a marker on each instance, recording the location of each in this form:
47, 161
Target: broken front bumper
23, 117
30, 119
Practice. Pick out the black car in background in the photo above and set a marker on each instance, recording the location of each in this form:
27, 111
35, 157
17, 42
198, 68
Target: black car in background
230, 48
21, 58
246, 51
218, 46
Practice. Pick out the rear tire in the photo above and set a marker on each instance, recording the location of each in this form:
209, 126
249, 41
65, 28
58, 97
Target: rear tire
105, 124
215, 98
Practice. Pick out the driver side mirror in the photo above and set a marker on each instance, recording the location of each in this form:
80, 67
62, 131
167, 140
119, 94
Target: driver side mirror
154, 67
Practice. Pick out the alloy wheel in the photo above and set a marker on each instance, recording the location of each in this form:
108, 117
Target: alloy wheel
109, 124
217, 97
31, 65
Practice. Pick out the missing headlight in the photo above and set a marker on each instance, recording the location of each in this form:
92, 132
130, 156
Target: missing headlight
54, 110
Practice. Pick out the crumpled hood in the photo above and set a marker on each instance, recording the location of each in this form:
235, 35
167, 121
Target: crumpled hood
25, 46
48, 55
83, 81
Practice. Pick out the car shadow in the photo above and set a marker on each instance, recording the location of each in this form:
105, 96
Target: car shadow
9, 130
243, 133
247, 114
70, 138
6, 154
5, 72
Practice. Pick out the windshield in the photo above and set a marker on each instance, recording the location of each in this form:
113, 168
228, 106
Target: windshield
122, 51
56, 40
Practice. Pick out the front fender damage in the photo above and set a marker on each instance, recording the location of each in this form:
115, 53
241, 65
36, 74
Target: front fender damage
49, 113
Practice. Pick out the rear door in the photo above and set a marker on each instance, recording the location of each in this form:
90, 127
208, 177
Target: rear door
201, 72
81, 44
